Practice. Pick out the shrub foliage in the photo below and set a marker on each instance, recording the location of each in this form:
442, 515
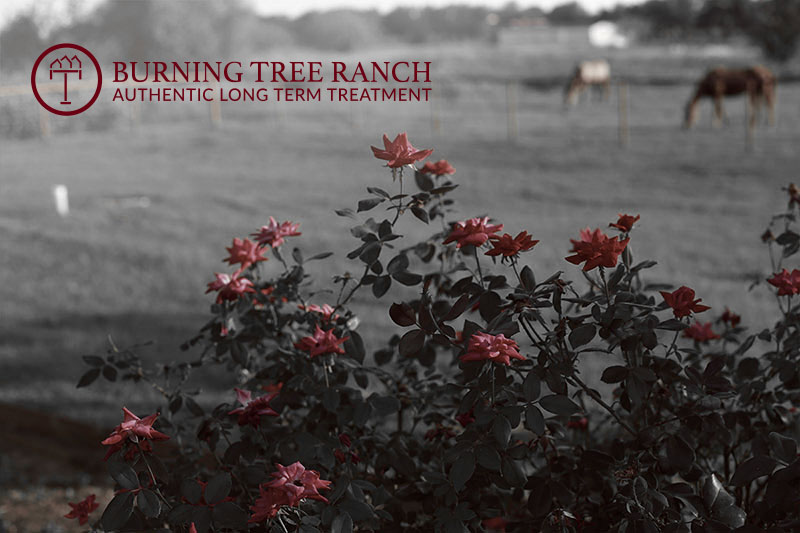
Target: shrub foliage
503, 401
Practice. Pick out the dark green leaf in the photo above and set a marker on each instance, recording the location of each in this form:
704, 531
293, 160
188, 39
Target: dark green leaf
527, 277
534, 420
488, 457
614, 374
118, 511
381, 286
513, 473
531, 387
462, 470
218, 488
368, 203
398, 264
357, 510
191, 490
123, 474
420, 214
424, 182
581, 335
501, 428
347, 212
342, 524
752, 469
378, 192
559, 404
407, 278
370, 253
181, 514
323, 255
229, 515
679, 453
384, 405
672, 325
148, 503
784, 448
88, 378
402, 314
411, 343
330, 400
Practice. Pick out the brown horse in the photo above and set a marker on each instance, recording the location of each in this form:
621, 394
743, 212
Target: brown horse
757, 82
596, 73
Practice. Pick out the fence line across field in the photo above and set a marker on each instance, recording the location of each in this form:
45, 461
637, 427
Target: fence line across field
438, 96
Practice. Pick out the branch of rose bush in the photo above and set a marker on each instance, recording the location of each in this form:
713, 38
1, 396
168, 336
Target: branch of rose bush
596, 397
152, 476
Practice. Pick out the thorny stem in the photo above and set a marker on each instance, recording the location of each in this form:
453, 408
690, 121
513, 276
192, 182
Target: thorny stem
357, 286
342, 302
235, 477
399, 200
492, 383
672, 346
152, 476
596, 397
478, 262
605, 285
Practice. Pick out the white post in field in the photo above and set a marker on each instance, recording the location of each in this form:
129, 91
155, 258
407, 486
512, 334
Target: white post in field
62, 200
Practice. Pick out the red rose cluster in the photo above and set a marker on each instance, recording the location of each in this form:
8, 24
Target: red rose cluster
292, 484
787, 283
246, 253
253, 408
486, 347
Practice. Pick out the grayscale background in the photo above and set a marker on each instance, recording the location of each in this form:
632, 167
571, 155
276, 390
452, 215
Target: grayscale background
156, 191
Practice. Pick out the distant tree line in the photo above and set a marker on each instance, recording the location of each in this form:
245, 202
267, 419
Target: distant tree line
151, 29
774, 25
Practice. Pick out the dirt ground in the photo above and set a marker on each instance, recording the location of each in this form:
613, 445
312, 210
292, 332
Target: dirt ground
43, 459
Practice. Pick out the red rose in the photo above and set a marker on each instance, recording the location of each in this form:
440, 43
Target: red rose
683, 303
509, 246
474, 231
399, 152
596, 249
440, 168
625, 222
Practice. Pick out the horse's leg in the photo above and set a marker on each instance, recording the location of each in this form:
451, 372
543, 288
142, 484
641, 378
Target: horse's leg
718, 111
769, 98
606, 90
568, 93
691, 111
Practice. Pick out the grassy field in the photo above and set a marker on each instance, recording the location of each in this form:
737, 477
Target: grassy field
137, 270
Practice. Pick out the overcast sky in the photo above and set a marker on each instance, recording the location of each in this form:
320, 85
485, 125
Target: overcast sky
55, 8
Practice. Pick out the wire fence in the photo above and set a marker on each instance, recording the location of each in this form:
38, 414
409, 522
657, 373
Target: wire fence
510, 109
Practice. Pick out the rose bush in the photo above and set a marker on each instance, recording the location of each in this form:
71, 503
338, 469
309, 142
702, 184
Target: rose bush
476, 414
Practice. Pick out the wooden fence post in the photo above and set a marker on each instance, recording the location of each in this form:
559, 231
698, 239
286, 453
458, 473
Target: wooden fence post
749, 120
215, 107
622, 113
436, 122
44, 122
511, 110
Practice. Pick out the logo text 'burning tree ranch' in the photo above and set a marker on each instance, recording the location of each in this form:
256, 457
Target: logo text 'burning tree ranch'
183, 74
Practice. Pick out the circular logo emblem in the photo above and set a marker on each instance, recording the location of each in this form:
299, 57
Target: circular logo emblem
66, 79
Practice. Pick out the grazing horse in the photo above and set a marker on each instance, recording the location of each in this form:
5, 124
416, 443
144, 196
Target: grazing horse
757, 82
595, 73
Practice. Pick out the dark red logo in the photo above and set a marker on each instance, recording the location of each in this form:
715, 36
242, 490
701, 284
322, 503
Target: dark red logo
66, 79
